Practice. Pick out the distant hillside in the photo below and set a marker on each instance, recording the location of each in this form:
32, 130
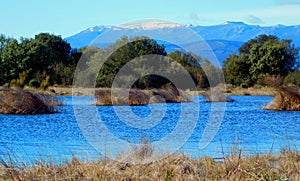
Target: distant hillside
224, 39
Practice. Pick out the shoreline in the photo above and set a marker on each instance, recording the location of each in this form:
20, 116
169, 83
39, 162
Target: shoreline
230, 91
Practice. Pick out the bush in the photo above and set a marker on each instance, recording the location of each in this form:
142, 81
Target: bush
274, 80
22, 79
261, 80
45, 83
293, 78
20, 82
14, 83
269, 80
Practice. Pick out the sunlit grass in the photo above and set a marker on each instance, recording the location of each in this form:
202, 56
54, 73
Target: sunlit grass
284, 166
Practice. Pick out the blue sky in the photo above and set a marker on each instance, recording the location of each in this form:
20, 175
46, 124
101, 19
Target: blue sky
67, 17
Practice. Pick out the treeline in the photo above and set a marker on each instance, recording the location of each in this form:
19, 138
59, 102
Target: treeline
48, 60
142, 56
38, 62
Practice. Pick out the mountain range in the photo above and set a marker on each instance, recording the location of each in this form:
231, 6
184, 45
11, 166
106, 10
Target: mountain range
224, 39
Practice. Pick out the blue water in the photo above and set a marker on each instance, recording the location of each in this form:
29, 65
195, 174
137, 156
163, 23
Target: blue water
58, 137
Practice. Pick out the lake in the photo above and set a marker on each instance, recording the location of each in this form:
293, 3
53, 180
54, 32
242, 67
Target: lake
58, 137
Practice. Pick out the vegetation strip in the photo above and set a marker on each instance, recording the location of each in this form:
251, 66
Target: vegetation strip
284, 166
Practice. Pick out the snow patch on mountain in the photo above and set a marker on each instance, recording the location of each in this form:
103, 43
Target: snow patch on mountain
150, 25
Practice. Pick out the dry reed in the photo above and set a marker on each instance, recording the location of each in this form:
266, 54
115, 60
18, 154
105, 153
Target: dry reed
285, 99
140, 97
19, 101
284, 166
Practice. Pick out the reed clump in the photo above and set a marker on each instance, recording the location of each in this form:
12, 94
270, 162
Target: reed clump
286, 99
20, 101
134, 97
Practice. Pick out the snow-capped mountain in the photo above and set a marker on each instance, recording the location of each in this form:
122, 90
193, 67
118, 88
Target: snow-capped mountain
150, 25
239, 31
224, 38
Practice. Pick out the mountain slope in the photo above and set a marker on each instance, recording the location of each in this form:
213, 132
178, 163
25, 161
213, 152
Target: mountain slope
239, 31
224, 39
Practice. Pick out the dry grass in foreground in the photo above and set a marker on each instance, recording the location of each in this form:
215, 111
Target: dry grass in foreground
172, 167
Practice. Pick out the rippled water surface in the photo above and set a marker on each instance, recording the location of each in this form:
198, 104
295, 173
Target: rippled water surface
58, 137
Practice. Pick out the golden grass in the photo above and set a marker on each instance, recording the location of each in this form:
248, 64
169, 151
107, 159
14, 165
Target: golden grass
238, 91
254, 91
284, 166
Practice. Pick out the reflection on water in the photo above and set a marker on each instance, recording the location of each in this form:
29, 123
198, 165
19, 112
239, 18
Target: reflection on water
58, 137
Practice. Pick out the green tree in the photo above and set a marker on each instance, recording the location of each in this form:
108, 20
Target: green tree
260, 58
44, 52
64, 71
192, 63
89, 65
261, 39
118, 56
11, 56
3, 42
108, 62
44, 55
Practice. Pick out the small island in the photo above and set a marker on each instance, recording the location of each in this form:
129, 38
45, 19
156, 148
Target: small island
285, 100
21, 101
135, 97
